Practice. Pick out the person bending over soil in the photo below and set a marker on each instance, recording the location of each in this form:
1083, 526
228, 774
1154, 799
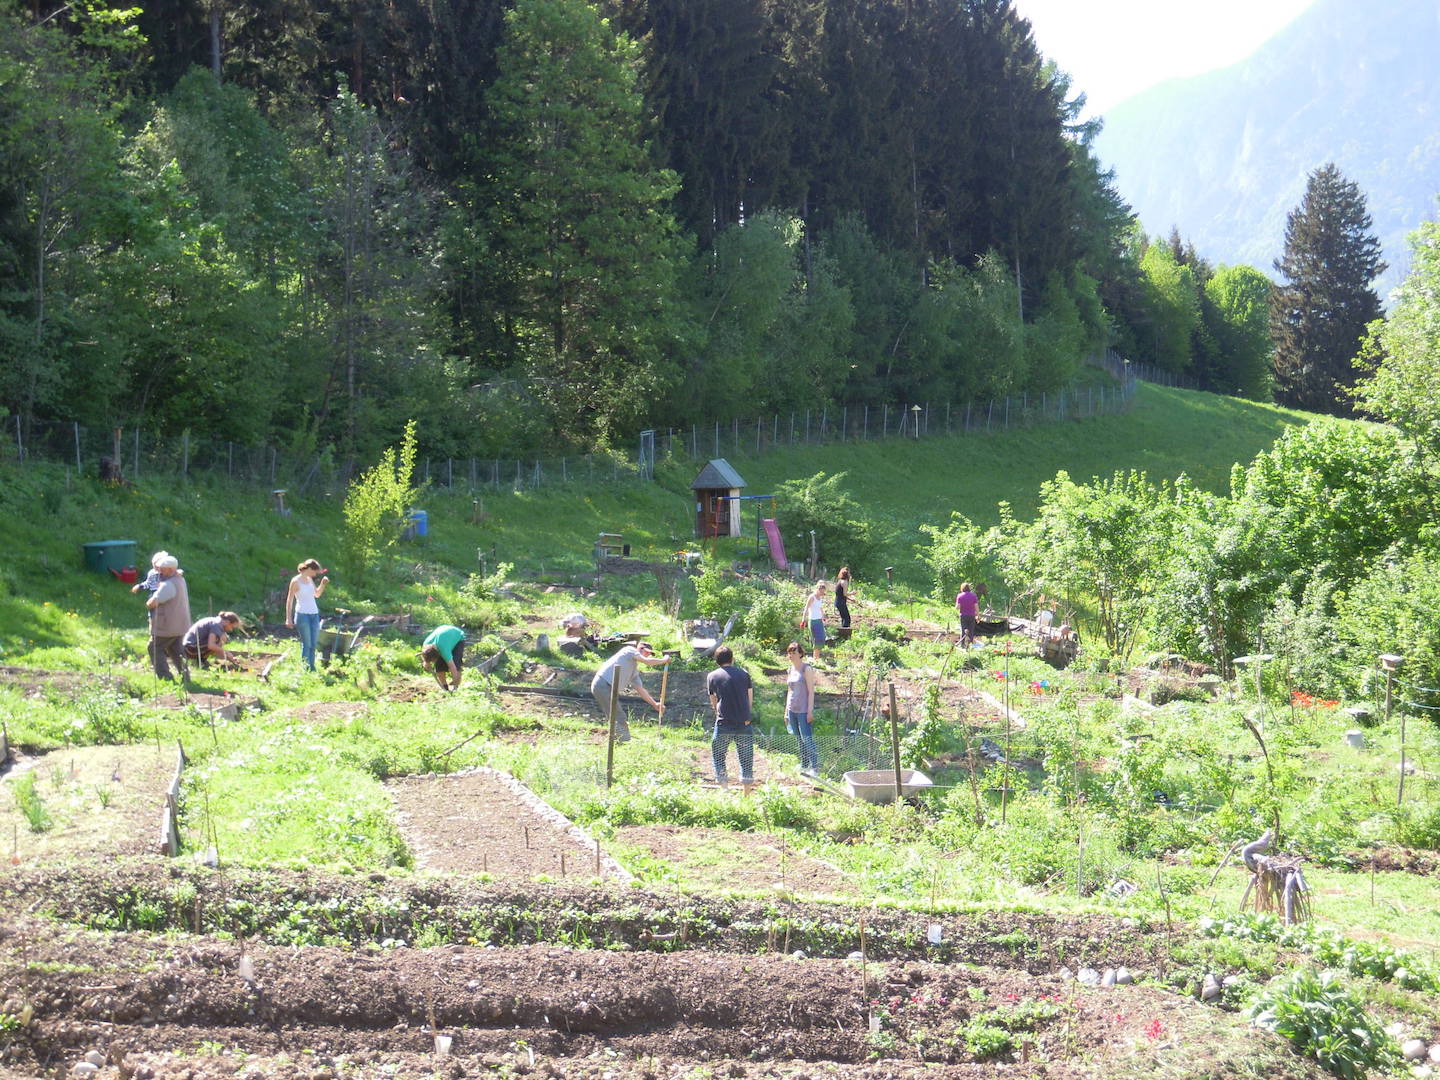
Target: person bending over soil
623, 670
205, 640
443, 652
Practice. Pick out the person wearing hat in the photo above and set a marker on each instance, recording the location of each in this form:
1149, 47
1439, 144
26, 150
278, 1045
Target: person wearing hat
623, 670
169, 608
301, 611
205, 640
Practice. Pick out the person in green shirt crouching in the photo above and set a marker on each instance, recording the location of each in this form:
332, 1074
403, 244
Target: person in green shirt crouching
444, 652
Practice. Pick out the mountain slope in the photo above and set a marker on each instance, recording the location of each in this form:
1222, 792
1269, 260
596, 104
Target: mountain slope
1224, 155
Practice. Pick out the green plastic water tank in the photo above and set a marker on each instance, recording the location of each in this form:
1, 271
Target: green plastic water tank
102, 556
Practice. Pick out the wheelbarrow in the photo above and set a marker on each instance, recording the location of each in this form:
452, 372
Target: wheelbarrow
338, 642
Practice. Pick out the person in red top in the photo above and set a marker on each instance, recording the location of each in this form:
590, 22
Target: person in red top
968, 605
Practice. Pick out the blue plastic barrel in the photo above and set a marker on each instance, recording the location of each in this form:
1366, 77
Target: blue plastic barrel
419, 523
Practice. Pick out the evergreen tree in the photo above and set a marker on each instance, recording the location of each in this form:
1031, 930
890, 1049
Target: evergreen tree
580, 217
1318, 315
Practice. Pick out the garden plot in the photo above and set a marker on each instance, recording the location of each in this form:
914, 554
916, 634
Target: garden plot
202, 1008
32, 681
93, 802
221, 706
705, 859
485, 821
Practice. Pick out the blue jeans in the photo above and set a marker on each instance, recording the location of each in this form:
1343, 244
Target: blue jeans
308, 627
744, 750
799, 724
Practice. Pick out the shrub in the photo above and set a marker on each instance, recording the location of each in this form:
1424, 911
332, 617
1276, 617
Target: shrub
843, 534
771, 619
959, 552
377, 505
1323, 1019
720, 594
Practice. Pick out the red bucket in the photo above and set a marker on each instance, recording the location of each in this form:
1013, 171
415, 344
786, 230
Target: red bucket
126, 574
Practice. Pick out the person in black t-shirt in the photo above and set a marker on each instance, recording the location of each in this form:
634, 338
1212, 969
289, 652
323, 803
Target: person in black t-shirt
733, 696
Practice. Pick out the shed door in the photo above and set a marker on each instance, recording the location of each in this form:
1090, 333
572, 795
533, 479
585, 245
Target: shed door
714, 514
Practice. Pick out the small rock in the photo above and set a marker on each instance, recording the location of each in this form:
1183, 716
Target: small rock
1108, 979
1435, 1054
96, 1058
1066, 974
1413, 1049
1420, 1072
1088, 977
143, 1072
1210, 988
857, 955
798, 954
84, 1068
1231, 980
1123, 976
1395, 1030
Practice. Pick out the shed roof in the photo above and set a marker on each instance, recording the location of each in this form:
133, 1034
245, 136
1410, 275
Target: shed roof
717, 473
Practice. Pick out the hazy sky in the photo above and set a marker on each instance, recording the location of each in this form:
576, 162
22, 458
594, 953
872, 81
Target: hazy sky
1116, 48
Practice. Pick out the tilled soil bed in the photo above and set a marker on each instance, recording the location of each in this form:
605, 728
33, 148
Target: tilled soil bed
485, 821
94, 802
147, 1006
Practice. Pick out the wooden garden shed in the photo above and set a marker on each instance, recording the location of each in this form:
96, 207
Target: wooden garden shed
717, 499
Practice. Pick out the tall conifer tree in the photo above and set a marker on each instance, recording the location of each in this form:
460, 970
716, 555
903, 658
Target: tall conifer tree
1318, 315
581, 224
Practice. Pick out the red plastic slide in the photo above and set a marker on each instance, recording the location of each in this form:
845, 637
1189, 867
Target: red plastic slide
777, 545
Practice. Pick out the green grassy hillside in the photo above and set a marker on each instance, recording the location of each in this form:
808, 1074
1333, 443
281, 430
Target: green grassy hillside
237, 552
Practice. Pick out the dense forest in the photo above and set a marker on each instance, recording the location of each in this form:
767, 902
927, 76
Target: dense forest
548, 222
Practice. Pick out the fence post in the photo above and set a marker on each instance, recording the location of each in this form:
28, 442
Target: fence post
844, 422
947, 418
19, 442
807, 425
230, 459
1007, 412
792, 427
78, 466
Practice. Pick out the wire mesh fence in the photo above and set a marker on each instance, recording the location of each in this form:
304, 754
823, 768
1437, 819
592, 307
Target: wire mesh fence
131, 453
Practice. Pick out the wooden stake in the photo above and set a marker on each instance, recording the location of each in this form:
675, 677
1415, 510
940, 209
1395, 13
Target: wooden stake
664, 685
895, 741
610, 739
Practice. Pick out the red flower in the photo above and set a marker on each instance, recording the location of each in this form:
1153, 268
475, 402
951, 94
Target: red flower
1154, 1030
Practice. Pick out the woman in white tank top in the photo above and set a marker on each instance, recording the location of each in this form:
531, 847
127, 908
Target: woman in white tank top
301, 611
